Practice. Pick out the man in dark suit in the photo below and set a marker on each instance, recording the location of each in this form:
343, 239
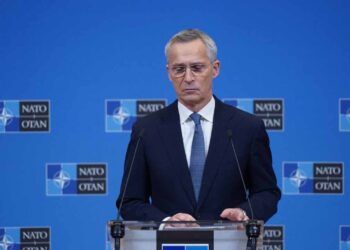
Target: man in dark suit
185, 167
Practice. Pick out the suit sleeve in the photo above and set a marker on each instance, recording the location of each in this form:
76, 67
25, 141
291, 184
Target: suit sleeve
261, 180
136, 203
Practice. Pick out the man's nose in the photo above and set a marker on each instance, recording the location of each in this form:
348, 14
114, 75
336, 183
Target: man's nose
189, 77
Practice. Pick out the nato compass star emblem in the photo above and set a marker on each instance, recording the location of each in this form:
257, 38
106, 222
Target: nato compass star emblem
121, 115
298, 178
6, 117
62, 179
6, 243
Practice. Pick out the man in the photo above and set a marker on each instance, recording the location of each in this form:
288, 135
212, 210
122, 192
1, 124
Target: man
185, 167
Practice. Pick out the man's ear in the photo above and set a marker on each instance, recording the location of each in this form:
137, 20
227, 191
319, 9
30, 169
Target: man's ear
167, 68
216, 68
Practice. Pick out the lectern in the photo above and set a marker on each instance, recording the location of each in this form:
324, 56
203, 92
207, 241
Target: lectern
201, 235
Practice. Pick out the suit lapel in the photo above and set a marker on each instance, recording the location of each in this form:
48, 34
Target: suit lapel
170, 131
218, 145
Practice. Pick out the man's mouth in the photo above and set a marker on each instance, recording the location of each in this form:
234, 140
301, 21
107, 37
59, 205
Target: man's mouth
190, 90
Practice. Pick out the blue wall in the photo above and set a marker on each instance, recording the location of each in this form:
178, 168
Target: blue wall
77, 54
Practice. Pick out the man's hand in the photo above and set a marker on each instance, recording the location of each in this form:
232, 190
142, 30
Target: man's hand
234, 214
181, 217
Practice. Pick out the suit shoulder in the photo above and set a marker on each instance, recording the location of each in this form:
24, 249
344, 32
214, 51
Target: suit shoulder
154, 118
243, 124
241, 115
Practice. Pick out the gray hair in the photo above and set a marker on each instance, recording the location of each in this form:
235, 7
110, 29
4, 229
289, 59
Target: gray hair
190, 35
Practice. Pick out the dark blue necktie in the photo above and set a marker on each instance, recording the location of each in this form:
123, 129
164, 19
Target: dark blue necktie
197, 154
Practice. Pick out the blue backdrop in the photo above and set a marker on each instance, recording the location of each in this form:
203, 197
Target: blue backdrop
76, 55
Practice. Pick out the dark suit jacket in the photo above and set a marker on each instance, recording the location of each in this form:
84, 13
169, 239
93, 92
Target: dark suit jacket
160, 183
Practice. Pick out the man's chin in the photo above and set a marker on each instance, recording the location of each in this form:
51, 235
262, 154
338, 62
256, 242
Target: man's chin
191, 99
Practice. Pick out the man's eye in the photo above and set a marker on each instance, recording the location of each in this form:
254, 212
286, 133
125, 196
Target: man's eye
197, 68
179, 69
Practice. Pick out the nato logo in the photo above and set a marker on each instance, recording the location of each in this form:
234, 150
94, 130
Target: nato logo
185, 247
64, 179
344, 237
17, 238
24, 116
269, 110
185, 240
313, 178
273, 237
344, 115
121, 114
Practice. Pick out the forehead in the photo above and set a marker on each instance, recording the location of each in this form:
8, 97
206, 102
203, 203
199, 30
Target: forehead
188, 52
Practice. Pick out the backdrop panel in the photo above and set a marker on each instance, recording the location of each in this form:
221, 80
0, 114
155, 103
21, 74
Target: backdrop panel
75, 75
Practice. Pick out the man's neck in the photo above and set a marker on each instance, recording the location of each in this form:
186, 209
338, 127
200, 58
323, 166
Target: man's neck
195, 107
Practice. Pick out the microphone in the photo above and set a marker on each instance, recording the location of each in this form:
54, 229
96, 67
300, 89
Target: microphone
229, 134
117, 226
129, 173
252, 227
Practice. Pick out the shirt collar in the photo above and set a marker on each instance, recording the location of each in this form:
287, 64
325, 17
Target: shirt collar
207, 112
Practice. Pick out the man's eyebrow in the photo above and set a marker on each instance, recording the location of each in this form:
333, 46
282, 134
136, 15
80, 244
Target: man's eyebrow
184, 64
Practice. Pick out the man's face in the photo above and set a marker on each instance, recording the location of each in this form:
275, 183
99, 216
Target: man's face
192, 73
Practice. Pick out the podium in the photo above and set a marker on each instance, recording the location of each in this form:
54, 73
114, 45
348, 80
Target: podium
199, 235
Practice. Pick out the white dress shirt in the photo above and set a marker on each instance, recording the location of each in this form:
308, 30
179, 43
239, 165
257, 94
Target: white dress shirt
188, 126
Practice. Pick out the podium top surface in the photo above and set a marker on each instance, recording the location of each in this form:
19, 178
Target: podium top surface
185, 225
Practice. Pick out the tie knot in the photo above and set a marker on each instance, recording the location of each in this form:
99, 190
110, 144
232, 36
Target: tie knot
196, 118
